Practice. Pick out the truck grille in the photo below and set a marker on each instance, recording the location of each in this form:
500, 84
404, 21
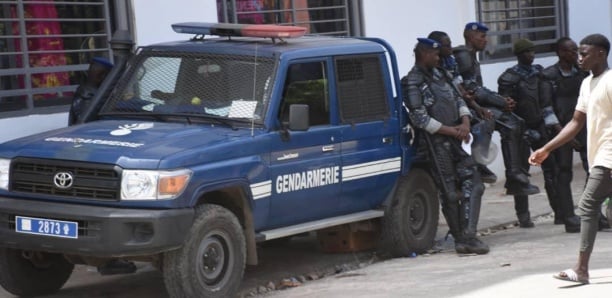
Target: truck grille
88, 181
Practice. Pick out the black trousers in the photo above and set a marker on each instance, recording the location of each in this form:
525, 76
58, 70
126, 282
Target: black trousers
563, 203
564, 159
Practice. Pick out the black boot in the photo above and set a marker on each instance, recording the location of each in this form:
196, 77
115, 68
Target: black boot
486, 174
524, 220
470, 211
517, 181
572, 224
517, 189
450, 210
471, 245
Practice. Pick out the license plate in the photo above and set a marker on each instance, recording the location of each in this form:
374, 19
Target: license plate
46, 227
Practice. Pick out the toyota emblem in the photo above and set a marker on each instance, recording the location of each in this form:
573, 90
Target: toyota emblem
63, 180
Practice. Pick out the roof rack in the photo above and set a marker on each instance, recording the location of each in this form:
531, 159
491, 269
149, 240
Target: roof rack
226, 29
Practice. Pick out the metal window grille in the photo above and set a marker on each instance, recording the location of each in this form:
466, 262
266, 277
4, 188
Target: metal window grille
45, 47
361, 91
541, 21
323, 17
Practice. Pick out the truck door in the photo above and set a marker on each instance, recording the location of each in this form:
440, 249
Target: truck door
370, 130
305, 165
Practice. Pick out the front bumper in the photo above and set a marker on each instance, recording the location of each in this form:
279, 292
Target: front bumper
103, 231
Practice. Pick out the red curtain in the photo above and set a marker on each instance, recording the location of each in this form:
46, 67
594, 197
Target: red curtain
43, 27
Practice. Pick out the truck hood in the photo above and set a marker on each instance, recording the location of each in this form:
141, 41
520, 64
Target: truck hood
130, 144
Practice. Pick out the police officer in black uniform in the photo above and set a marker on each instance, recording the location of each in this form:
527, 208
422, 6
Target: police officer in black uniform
443, 120
566, 77
533, 94
483, 123
508, 124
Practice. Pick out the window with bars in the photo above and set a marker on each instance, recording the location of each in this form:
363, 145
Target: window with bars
324, 17
45, 49
541, 21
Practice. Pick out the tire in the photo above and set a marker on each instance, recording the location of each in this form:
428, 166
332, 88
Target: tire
211, 261
411, 219
30, 274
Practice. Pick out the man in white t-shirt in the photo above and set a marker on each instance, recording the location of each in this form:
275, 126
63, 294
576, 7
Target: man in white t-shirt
594, 108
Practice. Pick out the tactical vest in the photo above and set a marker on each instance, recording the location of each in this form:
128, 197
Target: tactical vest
527, 97
440, 99
567, 89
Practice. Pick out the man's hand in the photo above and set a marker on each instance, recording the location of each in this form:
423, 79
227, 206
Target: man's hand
538, 157
485, 114
510, 104
463, 132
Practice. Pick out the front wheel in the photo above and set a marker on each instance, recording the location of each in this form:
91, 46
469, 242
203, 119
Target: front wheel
211, 261
28, 273
411, 218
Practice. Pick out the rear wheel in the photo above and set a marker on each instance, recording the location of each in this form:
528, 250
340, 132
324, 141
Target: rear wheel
411, 219
211, 262
26, 273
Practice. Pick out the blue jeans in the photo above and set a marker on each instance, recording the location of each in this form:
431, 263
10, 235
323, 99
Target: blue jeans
597, 189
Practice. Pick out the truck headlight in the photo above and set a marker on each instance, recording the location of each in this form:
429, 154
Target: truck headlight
153, 185
5, 165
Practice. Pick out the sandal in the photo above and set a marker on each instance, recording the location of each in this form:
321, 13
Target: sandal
571, 275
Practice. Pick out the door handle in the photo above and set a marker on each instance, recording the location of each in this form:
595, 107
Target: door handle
328, 148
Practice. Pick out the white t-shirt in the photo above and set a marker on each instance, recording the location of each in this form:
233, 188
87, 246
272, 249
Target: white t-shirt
595, 100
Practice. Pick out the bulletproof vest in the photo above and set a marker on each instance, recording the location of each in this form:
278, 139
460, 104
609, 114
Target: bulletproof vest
526, 95
440, 99
567, 89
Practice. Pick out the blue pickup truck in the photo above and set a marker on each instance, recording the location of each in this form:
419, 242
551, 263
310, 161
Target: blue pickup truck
200, 149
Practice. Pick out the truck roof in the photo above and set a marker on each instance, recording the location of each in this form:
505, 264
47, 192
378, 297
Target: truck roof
306, 46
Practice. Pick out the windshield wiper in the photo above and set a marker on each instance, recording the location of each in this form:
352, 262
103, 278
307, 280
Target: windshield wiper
156, 116
207, 116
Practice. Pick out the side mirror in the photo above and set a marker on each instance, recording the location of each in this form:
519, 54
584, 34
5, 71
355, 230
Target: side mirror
299, 117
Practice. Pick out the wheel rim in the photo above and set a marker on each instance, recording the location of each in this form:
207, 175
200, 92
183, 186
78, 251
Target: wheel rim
417, 213
214, 259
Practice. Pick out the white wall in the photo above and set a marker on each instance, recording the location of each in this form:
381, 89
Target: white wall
400, 22
153, 18
588, 17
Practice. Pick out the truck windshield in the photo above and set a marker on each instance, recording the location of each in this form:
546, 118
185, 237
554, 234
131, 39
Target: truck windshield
219, 86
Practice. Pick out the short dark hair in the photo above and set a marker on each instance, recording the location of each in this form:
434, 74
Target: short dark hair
437, 35
597, 40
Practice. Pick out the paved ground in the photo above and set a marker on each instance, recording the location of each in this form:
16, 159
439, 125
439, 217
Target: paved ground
520, 264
